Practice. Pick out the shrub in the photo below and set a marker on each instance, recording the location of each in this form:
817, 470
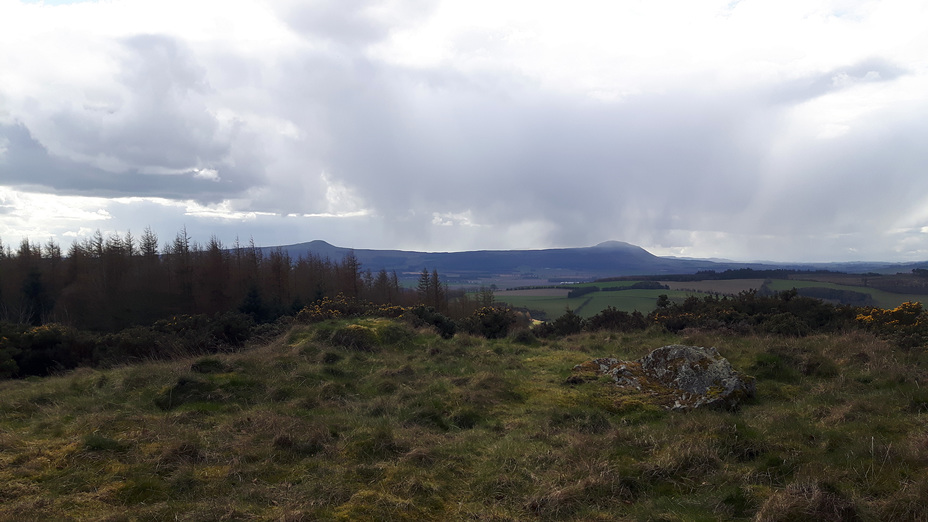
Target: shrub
135, 343
41, 350
617, 320
491, 322
9, 351
786, 324
567, 324
343, 307
906, 325
427, 316
231, 328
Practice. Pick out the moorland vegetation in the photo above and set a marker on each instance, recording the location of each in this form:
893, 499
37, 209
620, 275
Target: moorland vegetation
348, 407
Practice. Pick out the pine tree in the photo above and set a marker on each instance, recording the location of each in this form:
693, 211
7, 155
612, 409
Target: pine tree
424, 289
437, 291
148, 245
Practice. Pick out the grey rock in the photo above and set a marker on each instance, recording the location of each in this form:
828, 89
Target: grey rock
678, 377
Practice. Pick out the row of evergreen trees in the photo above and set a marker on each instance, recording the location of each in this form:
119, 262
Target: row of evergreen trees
109, 283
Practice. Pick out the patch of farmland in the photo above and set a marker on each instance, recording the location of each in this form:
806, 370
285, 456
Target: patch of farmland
883, 299
643, 301
727, 287
533, 292
553, 307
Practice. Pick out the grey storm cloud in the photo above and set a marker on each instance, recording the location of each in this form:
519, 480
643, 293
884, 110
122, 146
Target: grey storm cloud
547, 157
28, 163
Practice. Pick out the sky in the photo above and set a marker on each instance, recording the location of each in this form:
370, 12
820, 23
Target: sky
793, 131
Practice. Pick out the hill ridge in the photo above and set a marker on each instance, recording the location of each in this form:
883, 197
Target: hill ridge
610, 258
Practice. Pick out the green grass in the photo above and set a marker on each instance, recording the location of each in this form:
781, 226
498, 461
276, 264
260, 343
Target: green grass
403, 425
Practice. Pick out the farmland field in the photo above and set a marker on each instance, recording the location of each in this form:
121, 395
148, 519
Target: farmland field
883, 299
535, 292
591, 304
727, 286
554, 301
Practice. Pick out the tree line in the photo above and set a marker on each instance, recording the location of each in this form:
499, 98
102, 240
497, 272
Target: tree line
108, 283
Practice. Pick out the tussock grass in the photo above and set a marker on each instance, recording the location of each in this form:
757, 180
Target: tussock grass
372, 420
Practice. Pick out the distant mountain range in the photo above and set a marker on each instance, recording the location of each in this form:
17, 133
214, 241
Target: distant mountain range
608, 259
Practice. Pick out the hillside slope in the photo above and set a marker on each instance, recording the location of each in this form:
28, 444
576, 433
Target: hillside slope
408, 426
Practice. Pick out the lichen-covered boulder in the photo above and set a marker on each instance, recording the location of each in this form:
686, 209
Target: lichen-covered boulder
676, 377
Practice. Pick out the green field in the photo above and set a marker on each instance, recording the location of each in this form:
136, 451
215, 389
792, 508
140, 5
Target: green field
882, 298
589, 305
645, 301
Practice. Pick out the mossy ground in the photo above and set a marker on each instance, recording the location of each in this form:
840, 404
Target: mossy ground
379, 422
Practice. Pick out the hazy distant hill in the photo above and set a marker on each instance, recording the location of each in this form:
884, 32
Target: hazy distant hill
612, 258
608, 259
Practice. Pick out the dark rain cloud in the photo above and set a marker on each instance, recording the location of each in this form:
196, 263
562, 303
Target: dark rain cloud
27, 163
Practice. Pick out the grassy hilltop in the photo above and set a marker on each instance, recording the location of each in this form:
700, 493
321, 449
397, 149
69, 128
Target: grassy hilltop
372, 419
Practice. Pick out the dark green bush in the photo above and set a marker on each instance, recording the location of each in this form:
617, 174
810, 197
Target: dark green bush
231, 328
423, 315
785, 324
617, 321
491, 322
568, 324
41, 350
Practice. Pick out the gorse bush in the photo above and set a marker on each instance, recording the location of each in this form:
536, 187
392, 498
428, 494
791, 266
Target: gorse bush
41, 350
492, 322
342, 307
422, 315
907, 324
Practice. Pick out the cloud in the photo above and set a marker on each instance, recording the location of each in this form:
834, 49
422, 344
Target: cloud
456, 125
